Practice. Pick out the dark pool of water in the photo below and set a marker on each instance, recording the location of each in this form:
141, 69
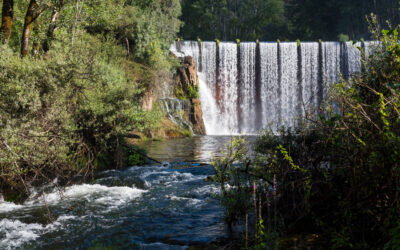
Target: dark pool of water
195, 149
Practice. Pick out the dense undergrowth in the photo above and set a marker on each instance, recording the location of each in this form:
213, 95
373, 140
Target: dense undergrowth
337, 182
67, 105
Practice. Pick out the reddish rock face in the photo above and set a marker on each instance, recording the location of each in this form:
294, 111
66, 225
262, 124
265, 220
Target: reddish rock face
186, 77
186, 83
197, 117
147, 102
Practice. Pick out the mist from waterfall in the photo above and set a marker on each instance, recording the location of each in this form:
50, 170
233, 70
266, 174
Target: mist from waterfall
250, 86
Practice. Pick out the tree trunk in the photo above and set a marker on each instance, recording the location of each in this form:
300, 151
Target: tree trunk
78, 9
31, 14
7, 19
36, 42
52, 26
127, 47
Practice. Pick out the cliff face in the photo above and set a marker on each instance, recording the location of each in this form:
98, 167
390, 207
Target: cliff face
187, 87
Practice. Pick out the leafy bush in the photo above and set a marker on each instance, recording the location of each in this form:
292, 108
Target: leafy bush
190, 93
63, 113
343, 38
66, 110
134, 156
235, 201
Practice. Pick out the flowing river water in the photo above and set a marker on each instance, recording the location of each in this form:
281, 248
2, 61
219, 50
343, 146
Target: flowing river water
168, 206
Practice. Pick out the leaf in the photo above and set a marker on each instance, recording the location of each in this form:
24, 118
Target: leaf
394, 85
385, 32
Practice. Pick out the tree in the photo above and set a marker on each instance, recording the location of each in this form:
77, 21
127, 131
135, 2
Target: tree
229, 20
314, 19
52, 26
32, 14
7, 19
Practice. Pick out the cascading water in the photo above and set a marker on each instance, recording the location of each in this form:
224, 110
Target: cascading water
175, 109
309, 97
288, 83
208, 79
369, 47
270, 105
189, 48
246, 88
249, 86
353, 57
227, 88
331, 62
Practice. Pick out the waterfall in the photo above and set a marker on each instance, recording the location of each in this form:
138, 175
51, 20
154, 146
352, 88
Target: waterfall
369, 47
249, 86
227, 88
288, 85
309, 84
270, 89
187, 48
353, 57
331, 62
208, 80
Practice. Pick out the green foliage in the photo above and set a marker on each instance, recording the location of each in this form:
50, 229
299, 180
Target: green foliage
266, 239
287, 19
243, 181
68, 110
354, 157
187, 133
192, 92
313, 19
234, 199
394, 242
134, 156
228, 20
149, 28
343, 38
217, 41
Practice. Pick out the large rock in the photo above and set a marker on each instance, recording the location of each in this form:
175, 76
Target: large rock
187, 87
147, 100
196, 117
186, 78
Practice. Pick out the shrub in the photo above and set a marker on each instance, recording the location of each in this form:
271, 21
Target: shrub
65, 113
343, 38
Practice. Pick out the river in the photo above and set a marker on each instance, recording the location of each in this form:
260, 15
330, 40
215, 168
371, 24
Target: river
167, 206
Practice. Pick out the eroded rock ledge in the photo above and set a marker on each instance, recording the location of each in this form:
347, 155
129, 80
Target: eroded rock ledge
187, 87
